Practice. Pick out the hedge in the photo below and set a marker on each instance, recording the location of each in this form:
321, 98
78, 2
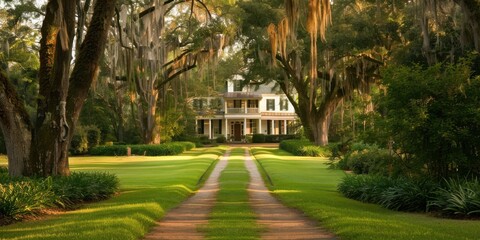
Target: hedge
304, 148
165, 149
20, 197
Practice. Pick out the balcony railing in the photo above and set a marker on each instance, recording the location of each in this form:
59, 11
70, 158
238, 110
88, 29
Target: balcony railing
242, 110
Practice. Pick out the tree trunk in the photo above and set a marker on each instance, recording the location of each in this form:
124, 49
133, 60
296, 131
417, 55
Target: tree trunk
471, 10
57, 120
15, 126
49, 153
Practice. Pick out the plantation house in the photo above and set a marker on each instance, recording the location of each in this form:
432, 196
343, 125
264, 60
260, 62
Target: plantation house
244, 110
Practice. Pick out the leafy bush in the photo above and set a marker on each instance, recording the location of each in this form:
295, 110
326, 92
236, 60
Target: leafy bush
365, 188
414, 195
82, 186
165, 149
432, 115
113, 150
84, 138
408, 195
365, 158
26, 198
221, 139
460, 198
258, 138
278, 138
304, 148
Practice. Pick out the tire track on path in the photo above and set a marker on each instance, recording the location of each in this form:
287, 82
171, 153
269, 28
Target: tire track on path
183, 221
280, 221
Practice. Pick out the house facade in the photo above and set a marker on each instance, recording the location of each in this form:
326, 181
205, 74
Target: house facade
244, 110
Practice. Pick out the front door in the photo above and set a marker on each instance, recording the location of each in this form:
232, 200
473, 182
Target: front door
237, 132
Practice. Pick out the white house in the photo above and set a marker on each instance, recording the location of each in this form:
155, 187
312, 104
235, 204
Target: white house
244, 110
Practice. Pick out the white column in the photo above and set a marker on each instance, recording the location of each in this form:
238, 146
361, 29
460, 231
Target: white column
260, 126
210, 128
244, 126
196, 126
226, 129
284, 126
245, 107
273, 127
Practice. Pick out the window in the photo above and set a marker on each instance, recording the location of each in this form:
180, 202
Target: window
252, 103
253, 126
283, 104
270, 104
237, 86
200, 126
237, 104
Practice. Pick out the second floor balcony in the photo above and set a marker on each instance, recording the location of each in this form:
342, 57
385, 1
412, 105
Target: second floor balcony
242, 110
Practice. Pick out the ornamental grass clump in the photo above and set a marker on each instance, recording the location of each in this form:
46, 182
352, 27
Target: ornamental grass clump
20, 197
457, 198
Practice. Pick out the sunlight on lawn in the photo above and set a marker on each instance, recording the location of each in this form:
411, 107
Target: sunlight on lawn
149, 186
308, 185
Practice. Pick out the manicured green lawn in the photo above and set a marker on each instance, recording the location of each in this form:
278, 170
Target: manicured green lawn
307, 184
232, 217
149, 187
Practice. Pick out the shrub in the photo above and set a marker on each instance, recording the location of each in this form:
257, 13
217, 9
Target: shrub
114, 150
84, 138
364, 158
93, 136
258, 138
82, 186
460, 198
278, 138
365, 188
408, 195
79, 143
399, 194
26, 197
304, 148
221, 139
165, 149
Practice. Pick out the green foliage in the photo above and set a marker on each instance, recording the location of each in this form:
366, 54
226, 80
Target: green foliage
307, 184
304, 148
258, 138
165, 149
111, 150
399, 194
365, 158
84, 138
433, 118
221, 139
454, 198
458, 198
408, 195
82, 186
279, 138
26, 197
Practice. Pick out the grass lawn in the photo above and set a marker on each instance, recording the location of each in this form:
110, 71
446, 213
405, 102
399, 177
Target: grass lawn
307, 184
232, 217
149, 187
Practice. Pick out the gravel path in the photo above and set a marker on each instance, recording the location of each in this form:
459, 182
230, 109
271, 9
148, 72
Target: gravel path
280, 221
182, 222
